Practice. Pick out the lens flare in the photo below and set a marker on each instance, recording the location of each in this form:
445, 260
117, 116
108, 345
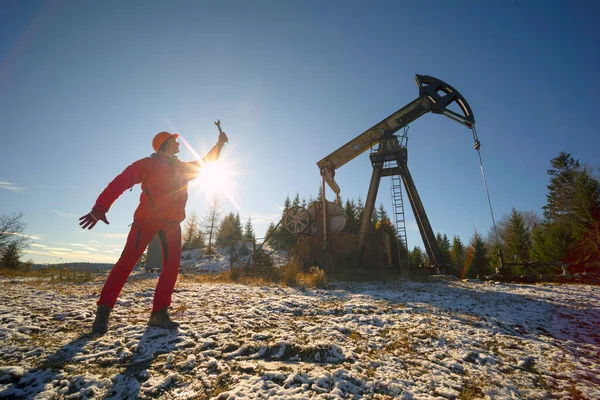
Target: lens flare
215, 178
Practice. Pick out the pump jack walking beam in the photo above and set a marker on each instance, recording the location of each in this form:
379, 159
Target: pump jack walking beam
434, 95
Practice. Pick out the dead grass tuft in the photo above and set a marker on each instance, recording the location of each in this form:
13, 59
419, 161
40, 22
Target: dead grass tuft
315, 278
290, 272
292, 275
472, 390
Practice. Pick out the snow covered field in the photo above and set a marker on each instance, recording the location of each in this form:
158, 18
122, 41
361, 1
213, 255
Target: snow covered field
398, 339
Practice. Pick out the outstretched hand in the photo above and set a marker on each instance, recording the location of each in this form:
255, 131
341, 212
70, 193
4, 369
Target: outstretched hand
89, 220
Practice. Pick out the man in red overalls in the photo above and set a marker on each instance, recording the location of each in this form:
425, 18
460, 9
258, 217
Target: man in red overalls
164, 179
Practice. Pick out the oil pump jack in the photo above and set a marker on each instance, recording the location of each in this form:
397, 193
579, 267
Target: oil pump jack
322, 242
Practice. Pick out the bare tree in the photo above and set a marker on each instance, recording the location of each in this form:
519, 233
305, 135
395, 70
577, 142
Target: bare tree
12, 231
210, 223
192, 236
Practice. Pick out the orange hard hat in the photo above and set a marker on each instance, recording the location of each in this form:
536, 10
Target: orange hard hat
162, 137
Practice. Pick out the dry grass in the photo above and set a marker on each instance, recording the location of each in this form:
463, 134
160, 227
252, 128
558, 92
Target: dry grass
290, 272
290, 275
472, 390
315, 278
52, 275
224, 277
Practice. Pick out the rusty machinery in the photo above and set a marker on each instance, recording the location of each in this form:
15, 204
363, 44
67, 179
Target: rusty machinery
319, 232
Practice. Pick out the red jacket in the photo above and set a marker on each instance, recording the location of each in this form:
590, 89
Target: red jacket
164, 185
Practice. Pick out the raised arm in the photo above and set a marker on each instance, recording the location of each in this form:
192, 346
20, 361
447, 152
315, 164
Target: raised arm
212, 155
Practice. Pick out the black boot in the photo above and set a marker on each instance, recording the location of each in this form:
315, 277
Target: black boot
101, 322
161, 319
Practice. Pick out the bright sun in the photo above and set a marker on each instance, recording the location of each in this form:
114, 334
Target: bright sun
216, 179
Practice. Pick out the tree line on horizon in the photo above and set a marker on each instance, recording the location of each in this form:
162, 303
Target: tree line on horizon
567, 234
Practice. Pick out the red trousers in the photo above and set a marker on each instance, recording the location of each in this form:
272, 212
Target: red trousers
142, 231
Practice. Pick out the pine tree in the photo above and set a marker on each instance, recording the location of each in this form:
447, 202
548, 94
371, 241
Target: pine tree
210, 222
303, 203
249, 230
282, 239
11, 256
517, 240
383, 217
573, 194
360, 209
561, 188
239, 229
585, 254
444, 246
416, 257
352, 221
403, 255
269, 233
550, 242
287, 204
476, 258
457, 256
228, 232
296, 201
571, 215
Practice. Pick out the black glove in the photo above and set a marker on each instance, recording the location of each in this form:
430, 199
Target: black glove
222, 139
89, 220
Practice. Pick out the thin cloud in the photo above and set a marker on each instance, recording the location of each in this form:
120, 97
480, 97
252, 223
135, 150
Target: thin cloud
65, 214
258, 219
12, 187
38, 245
22, 235
114, 235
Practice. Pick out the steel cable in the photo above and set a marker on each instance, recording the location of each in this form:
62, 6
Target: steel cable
477, 146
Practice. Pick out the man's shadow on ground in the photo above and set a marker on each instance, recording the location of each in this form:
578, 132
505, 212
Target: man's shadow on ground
126, 384
153, 343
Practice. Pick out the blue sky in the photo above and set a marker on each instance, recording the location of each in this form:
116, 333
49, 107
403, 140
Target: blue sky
84, 86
